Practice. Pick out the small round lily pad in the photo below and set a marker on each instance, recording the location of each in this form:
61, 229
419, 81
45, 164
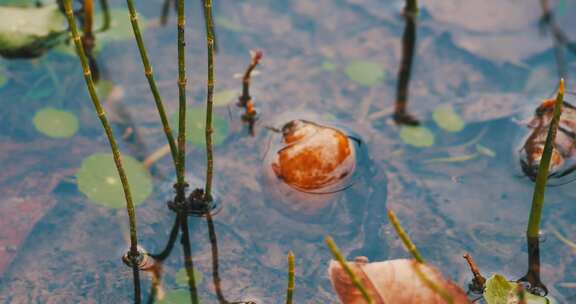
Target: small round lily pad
447, 119
226, 97
417, 136
329, 66
120, 26
100, 182
176, 296
182, 277
195, 121
55, 123
366, 73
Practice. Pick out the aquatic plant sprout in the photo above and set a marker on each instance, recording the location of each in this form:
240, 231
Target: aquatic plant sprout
291, 274
338, 256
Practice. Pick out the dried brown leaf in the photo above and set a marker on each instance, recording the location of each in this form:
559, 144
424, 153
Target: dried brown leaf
392, 281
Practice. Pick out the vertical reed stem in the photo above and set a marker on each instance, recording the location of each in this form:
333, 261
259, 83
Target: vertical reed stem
209, 24
151, 82
542, 177
338, 256
405, 238
291, 275
113, 145
181, 182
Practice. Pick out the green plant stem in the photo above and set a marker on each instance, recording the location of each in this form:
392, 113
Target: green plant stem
542, 177
338, 256
291, 274
113, 145
151, 82
405, 238
411, 7
181, 182
430, 284
209, 97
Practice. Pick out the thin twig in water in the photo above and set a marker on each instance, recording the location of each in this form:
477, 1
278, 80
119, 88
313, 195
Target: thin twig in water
478, 281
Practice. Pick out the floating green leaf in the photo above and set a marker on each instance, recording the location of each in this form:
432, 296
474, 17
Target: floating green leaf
226, 97
100, 182
195, 122
366, 73
329, 66
182, 277
500, 291
447, 119
30, 31
417, 136
176, 296
120, 27
225, 23
55, 123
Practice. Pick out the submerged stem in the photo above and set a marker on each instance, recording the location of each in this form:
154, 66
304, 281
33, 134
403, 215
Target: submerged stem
113, 145
151, 82
188, 262
542, 177
209, 24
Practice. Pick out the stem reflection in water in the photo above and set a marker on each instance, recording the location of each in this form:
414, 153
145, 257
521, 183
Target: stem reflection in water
532, 277
401, 115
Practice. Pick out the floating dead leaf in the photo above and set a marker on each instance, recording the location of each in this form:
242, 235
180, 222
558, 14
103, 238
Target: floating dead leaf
513, 47
392, 281
486, 106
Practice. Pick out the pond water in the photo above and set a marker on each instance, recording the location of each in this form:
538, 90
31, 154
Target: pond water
455, 189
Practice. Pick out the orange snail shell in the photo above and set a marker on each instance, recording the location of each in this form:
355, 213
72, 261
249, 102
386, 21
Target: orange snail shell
314, 160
